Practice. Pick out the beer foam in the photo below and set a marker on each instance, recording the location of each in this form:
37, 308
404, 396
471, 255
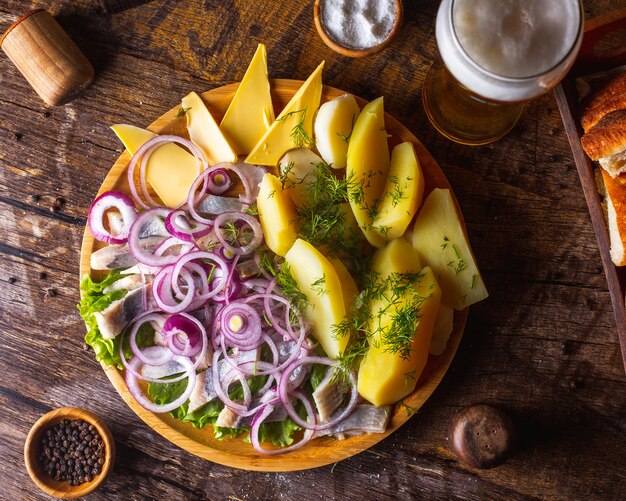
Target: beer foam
516, 38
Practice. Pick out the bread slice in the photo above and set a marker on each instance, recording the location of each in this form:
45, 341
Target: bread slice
606, 142
616, 214
610, 97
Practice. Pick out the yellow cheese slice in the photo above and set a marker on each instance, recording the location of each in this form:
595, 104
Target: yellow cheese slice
250, 113
171, 170
294, 126
204, 131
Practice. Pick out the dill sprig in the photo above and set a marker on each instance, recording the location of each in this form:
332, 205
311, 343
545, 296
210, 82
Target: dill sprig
299, 135
182, 111
324, 219
346, 139
319, 286
386, 315
281, 271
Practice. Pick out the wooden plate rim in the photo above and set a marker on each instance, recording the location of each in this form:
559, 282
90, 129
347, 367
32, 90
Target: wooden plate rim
321, 451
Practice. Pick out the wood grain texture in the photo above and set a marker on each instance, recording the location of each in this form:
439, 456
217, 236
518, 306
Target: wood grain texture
543, 346
234, 452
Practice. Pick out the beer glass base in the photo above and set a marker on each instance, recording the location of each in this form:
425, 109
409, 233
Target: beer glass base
462, 116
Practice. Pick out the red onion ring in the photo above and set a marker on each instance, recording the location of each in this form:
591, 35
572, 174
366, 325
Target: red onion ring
283, 393
132, 382
218, 182
144, 153
262, 416
239, 216
111, 200
184, 231
190, 327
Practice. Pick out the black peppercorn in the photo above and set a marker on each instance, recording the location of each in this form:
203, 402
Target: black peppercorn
67, 453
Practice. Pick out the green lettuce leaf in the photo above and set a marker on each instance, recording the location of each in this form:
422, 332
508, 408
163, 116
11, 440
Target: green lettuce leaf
94, 300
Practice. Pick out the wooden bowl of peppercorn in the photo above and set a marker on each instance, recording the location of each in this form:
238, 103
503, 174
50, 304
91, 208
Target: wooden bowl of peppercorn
69, 452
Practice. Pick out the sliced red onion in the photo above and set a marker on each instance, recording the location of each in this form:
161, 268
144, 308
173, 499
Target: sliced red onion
222, 393
133, 386
262, 416
218, 182
241, 326
248, 219
178, 226
111, 200
199, 188
134, 244
283, 393
189, 329
144, 152
148, 357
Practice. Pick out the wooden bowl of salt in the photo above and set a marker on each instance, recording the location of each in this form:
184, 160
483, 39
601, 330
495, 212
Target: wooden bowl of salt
354, 30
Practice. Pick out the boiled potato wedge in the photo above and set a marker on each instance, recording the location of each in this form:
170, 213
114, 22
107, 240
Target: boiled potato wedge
441, 243
401, 324
402, 195
277, 215
333, 128
317, 279
368, 166
298, 168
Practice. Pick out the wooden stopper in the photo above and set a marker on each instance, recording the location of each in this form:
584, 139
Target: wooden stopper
47, 57
482, 436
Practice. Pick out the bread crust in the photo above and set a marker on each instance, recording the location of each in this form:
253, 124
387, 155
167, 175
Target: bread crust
616, 193
609, 98
608, 137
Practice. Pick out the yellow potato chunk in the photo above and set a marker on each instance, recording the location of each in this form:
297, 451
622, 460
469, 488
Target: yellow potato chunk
401, 325
442, 244
368, 166
402, 194
317, 279
298, 168
348, 285
277, 214
333, 128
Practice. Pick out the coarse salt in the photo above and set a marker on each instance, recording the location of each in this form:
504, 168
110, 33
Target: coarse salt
358, 24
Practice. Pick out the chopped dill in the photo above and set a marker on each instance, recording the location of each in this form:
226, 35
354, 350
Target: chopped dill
319, 286
386, 315
252, 209
397, 195
299, 135
409, 410
325, 220
445, 242
182, 111
409, 377
346, 139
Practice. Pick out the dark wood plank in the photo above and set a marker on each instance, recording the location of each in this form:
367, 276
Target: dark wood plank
543, 346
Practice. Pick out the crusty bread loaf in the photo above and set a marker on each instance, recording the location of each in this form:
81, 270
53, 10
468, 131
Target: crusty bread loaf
611, 97
615, 199
606, 142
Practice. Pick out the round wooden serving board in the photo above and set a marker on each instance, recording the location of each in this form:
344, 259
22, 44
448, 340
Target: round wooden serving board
321, 451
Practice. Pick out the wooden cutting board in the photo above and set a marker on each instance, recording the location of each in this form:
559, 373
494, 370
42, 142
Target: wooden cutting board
318, 452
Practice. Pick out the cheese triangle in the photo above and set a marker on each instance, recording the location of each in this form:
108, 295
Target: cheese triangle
251, 112
204, 131
171, 170
294, 126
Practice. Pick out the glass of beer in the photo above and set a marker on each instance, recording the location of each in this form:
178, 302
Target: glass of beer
495, 55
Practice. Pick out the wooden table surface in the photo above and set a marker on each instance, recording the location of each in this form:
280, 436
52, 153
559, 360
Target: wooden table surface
542, 347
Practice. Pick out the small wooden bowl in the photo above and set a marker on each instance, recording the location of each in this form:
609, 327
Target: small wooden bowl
46, 483
348, 51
